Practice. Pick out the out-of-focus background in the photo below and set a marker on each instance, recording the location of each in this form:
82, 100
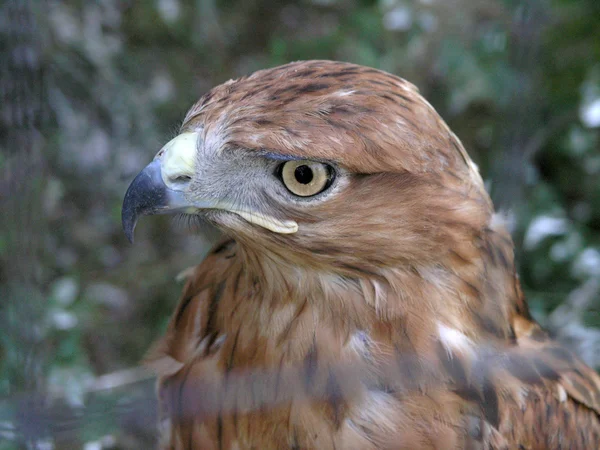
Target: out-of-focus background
90, 90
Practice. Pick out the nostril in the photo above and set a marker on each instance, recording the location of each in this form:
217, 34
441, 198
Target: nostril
182, 179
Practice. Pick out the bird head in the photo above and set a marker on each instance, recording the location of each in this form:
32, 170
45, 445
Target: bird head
330, 163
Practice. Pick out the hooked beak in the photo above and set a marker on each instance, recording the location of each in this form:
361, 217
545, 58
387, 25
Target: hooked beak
146, 195
158, 190
155, 189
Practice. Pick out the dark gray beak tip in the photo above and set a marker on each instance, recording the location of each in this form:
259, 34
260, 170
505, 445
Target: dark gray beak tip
129, 213
146, 195
129, 223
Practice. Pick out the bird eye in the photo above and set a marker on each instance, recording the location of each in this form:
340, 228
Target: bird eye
305, 178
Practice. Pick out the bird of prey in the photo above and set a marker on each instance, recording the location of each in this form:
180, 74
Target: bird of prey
364, 295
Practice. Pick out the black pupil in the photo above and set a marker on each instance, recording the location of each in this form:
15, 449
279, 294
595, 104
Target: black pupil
303, 174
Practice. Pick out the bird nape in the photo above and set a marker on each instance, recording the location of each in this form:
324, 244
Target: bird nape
365, 295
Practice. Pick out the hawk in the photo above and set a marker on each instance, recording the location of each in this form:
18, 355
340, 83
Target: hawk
365, 293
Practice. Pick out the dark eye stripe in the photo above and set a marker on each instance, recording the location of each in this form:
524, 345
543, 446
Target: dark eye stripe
279, 157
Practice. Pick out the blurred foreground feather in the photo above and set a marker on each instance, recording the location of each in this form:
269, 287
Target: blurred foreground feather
126, 399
